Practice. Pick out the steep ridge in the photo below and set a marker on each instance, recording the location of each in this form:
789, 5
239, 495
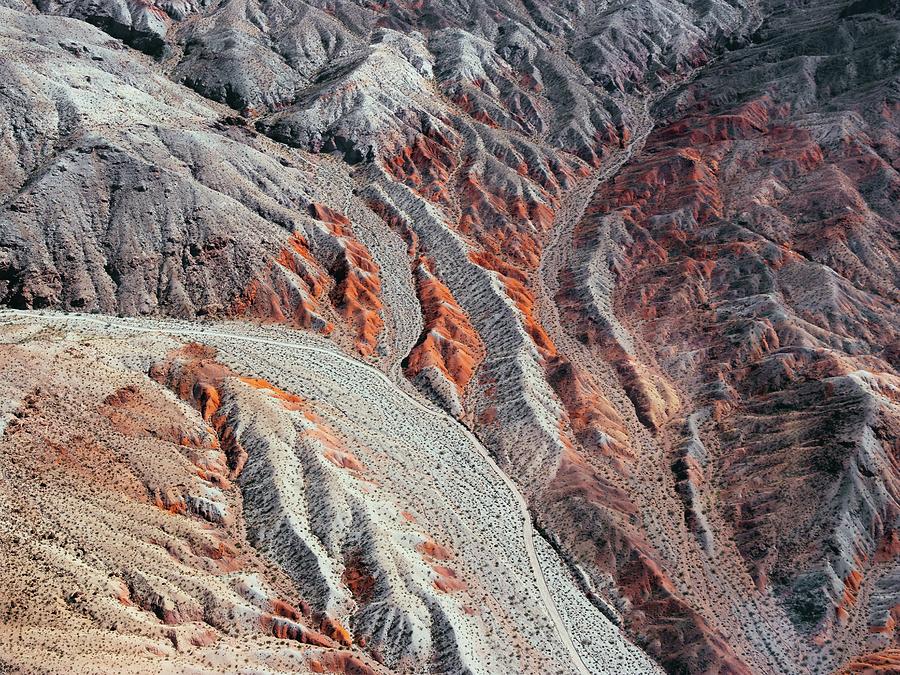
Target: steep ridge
694, 260
317, 498
123, 501
644, 252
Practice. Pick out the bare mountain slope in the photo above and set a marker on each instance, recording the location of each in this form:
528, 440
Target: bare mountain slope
642, 255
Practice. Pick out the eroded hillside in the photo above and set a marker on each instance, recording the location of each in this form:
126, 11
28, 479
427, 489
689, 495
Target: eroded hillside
628, 272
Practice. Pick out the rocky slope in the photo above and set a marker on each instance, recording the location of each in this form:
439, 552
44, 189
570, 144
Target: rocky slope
177, 505
643, 255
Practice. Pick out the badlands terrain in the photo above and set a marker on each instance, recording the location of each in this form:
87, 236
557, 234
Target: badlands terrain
458, 336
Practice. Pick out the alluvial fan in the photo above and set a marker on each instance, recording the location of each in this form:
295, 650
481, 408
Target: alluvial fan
485, 336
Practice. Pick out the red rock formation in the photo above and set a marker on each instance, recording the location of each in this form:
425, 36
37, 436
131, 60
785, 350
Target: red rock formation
426, 165
172, 575
515, 282
884, 662
447, 581
708, 430
717, 230
503, 223
357, 286
288, 629
593, 418
449, 342
576, 479
358, 578
333, 629
289, 290
132, 413
288, 401
297, 288
193, 374
434, 550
